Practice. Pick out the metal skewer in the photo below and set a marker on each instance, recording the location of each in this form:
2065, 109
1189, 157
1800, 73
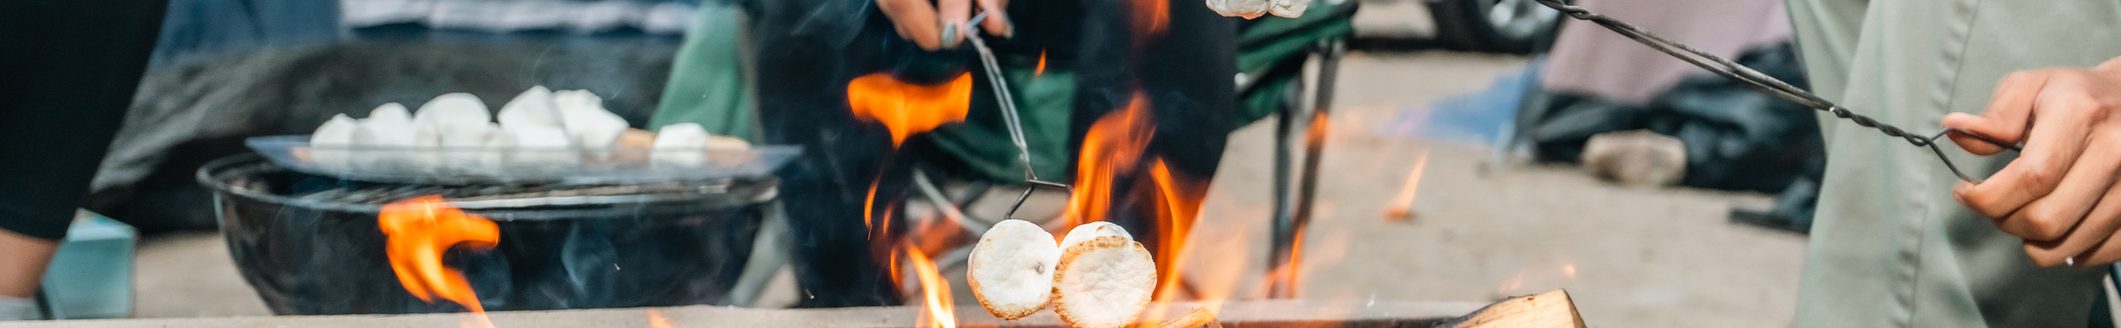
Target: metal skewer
1010, 115
1765, 83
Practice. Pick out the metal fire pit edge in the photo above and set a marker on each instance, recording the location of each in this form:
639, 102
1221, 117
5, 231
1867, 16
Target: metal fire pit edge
311, 257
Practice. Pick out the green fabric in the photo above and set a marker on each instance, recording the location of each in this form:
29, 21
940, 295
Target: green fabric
1890, 248
982, 144
1272, 40
707, 81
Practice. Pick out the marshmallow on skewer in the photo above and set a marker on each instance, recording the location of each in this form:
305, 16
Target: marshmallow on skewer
539, 146
1011, 269
1104, 278
327, 146
680, 145
532, 107
457, 123
384, 137
587, 122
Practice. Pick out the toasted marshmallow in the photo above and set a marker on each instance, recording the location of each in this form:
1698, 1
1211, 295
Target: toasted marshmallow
1105, 281
1011, 269
1087, 231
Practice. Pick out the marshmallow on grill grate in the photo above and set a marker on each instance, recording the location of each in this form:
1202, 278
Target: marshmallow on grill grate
1104, 278
532, 107
385, 137
543, 146
457, 123
680, 145
1011, 269
583, 114
327, 146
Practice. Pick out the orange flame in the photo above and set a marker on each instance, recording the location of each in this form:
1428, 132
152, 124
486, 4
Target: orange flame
656, 319
941, 312
907, 108
1402, 207
1112, 146
419, 230
1041, 69
1151, 17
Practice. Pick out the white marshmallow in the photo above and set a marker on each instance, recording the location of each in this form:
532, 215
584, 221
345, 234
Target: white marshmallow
385, 138
448, 112
680, 145
390, 112
388, 126
328, 144
538, 146
532, 107
583, 114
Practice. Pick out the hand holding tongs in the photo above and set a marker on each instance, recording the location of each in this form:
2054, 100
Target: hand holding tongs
1765, 83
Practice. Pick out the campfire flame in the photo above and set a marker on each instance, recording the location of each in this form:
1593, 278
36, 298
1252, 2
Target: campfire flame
1151, 18
656, 319
419, 231
1113, 145
1402, 207
941, 312
1040, 70
907, 108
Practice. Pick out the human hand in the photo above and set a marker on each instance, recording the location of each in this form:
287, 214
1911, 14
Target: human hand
2060, 194
933, 29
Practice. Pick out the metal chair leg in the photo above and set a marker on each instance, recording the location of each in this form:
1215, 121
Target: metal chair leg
1289, 224
769, 252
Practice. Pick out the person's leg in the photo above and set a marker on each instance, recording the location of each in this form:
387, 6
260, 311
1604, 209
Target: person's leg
804, 61
23, 263
66, 96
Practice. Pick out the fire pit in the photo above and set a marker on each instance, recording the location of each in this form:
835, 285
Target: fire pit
311, 245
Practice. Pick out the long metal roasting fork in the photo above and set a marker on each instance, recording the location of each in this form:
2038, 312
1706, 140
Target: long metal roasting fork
1765, 83
1002, 97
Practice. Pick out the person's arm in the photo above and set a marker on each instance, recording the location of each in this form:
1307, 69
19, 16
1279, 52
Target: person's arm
2060, 193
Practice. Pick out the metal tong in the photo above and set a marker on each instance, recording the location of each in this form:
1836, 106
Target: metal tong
1765, 83
1015, 124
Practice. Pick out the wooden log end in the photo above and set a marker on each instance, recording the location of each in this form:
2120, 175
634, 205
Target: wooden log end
1548, 309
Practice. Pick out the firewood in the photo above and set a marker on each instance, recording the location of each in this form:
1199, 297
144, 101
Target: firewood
1200, 317
1549, 309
